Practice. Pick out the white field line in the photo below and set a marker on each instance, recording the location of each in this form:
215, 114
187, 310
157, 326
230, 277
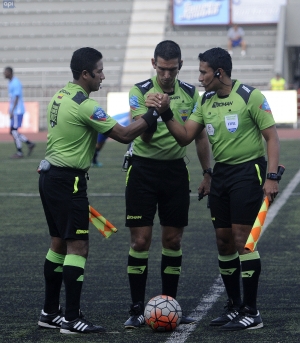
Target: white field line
182, 332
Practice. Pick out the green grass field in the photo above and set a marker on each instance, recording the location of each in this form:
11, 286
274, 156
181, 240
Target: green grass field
106, 298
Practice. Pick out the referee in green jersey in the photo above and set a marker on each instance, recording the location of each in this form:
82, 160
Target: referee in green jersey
74, 121
158, 179
237, 119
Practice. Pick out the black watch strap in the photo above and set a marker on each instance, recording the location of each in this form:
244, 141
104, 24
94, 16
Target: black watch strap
273, 176
208, 171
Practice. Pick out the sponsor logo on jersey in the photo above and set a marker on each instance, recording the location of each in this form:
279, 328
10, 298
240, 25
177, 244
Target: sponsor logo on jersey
145, 85
220, 104
174, 97
246, 89
134, 217
134, 102
81, 232
54, 113
184, 114
186, 84
265, 106
60, 95
64, 91
99, 114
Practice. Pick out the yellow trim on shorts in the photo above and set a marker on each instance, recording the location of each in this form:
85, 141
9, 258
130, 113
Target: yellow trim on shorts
76, 184
127, 174
258, 173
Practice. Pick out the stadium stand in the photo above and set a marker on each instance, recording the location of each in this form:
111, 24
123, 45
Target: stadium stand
255, 69
37, 39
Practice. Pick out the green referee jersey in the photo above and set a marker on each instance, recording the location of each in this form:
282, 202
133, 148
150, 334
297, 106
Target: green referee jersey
162, 146
74, 121
234, 123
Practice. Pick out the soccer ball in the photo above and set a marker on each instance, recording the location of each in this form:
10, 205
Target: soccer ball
163, 313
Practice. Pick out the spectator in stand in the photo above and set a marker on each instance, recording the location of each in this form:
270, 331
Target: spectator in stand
277, 83
236, 38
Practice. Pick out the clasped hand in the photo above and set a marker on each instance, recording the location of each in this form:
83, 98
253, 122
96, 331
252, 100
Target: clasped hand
160, 101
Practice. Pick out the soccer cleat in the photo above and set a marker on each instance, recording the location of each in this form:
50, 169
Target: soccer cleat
31, 146
51, 321
244, 321
187, 320
80, 325
136, 318
230, 313
17, 155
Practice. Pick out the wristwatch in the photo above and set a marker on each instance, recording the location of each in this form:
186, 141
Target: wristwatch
273, 176
208, 171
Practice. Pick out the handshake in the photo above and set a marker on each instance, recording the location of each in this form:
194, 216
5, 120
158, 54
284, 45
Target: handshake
159, 105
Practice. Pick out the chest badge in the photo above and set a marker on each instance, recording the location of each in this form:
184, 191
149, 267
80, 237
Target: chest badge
210, 129
232, 122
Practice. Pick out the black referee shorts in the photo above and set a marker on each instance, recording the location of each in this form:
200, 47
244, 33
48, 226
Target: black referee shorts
64, 198
154, 184
236, 192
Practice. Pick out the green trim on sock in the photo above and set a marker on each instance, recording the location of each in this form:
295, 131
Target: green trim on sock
172, 270
171, 253
248, 273
251, 256
138, 254
136, 269
227, 271
75, 261
225, 258
55, 257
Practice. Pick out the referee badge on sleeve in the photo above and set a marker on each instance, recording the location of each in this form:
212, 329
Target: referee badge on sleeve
99, 114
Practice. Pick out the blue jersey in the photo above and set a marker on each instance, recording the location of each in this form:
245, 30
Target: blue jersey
15, 90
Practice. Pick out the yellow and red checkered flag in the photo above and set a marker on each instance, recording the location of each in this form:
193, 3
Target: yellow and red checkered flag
260, 219
257, 226
103, 225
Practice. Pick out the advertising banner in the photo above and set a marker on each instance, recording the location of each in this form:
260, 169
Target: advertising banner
118, 107
225, 12
256, 11
30, 121
283, 105
201, 12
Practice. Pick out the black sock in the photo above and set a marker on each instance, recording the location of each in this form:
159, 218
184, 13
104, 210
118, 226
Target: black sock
137, 270
170, 271
230, 269
73, 271
53, 268
251, 268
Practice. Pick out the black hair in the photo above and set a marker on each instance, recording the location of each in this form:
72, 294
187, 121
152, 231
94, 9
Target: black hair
84, 59
217, 58
10, 69
167, 50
